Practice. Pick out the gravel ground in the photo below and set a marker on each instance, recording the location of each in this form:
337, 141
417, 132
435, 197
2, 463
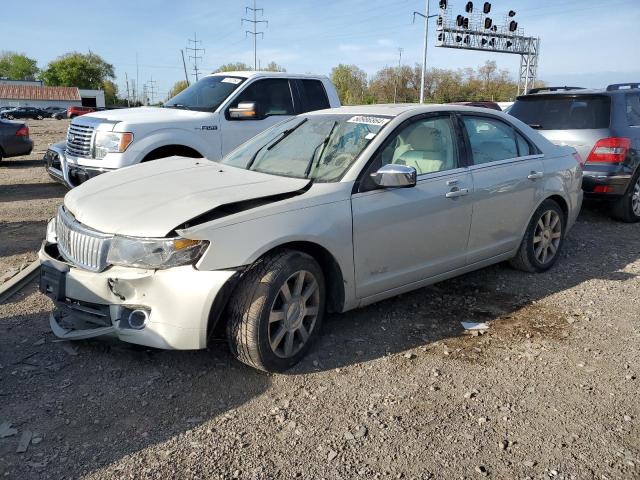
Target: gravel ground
394, 390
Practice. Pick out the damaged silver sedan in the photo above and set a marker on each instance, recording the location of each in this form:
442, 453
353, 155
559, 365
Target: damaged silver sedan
325, 212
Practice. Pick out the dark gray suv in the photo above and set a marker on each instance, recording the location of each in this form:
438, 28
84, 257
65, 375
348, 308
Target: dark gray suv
604, 127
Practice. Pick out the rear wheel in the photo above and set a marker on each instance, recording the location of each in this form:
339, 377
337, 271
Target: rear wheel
543, 239
627, 208
277, 310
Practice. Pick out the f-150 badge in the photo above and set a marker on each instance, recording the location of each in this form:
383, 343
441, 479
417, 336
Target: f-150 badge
209, 127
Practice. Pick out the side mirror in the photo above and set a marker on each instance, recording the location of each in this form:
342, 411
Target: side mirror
395, 176
244, 111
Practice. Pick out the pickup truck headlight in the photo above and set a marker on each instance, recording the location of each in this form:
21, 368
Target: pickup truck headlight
156, 253
110, 142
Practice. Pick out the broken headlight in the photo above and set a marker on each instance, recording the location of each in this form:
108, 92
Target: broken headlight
156, 253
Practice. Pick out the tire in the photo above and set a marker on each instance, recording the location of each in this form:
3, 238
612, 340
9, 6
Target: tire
627, 208
264, 330
39, 117
11, 117
542, 242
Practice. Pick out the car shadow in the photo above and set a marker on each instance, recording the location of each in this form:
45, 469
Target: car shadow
138, 397
31, 191
17, 163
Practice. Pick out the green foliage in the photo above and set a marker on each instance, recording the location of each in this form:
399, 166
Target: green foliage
179, 86
274, 67
110, 93
17, 66
351, 84
78, 70
233, 67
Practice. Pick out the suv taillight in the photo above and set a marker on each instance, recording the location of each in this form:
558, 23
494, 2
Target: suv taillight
23, 131
610, 150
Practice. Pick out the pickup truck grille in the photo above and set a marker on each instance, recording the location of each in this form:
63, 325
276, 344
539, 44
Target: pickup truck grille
80, 245
79, 140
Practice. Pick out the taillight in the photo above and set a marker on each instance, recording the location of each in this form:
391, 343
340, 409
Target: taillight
610, 150
23, 131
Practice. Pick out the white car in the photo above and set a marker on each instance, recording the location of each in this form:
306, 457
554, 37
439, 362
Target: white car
208, 119
328, 211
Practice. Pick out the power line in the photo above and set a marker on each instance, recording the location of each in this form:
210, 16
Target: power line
254, 31
152, 89
196, 49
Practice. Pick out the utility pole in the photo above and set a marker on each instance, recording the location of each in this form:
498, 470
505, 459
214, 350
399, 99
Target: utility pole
196, 49
126, 79
254, 31
395, 87
137, 79
426, 17
186, 76
152, 88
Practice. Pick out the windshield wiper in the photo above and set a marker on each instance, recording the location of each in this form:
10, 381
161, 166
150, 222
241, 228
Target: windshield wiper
284, 135
178, 105
322, 144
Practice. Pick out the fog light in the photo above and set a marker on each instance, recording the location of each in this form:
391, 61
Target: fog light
138, 319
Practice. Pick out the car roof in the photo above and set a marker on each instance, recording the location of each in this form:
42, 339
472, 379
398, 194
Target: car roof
578, 92
397, 109
259, 73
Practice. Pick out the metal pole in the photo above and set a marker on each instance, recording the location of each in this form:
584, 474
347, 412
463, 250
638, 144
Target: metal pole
255, 39
184, 65
424, 58
395, 88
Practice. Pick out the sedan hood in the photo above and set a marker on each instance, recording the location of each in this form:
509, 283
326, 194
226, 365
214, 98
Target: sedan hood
152, 199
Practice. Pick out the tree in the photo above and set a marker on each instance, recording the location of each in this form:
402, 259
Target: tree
78, 70
233, 67
179, 86
395, 82
110, 93
17, 66
351, 84
274, 67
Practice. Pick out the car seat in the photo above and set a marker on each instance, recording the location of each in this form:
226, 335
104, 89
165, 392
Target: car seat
422, 148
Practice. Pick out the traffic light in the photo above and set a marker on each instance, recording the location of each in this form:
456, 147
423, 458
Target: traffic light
469, 7
513, 26
443, 4
488, 22
486, 8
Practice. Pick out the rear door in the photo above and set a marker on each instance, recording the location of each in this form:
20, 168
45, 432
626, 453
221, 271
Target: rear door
577, 121
507, 173
275, 100
311, 95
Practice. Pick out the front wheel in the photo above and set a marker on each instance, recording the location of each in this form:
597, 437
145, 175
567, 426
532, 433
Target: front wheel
276, 311
543, 239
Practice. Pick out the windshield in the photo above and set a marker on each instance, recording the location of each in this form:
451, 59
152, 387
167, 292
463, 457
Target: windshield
554, 112
205, 95
319, 147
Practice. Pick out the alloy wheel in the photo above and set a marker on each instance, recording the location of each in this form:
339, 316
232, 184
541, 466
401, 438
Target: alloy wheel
293, 314
635, 198
547, 236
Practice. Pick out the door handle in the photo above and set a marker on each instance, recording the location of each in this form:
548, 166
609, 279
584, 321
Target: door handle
535, 175
453, 181
457, 192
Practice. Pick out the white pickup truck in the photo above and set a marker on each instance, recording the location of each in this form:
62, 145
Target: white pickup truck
208, 119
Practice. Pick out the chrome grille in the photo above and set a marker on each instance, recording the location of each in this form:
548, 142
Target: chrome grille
79, 140
80, 245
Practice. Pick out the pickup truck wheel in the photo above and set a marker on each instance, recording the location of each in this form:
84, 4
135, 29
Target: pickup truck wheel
11, 117
627, 208
39, 117
276, 311
543, 239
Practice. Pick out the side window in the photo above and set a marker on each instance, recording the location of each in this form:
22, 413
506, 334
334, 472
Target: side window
491, 140
633, 109
524, 148
273, 97
428, 145
314, 97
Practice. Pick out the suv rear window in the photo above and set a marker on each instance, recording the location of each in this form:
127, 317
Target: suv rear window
633, 109
553, 112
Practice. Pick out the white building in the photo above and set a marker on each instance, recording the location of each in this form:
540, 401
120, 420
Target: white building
33, 94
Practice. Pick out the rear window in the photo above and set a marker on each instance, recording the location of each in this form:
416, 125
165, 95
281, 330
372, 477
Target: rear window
563, 113
313, 95
633, 109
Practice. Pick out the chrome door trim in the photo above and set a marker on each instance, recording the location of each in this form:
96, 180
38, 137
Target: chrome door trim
507, 161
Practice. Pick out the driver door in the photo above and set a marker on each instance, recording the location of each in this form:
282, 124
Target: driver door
402, 236
275, 103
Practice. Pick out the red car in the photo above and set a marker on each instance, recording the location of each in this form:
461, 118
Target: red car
73, 112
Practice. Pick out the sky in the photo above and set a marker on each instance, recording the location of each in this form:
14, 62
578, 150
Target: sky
588, 43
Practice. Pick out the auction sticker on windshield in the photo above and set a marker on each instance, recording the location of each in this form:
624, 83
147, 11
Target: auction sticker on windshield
367, 120
235, 81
